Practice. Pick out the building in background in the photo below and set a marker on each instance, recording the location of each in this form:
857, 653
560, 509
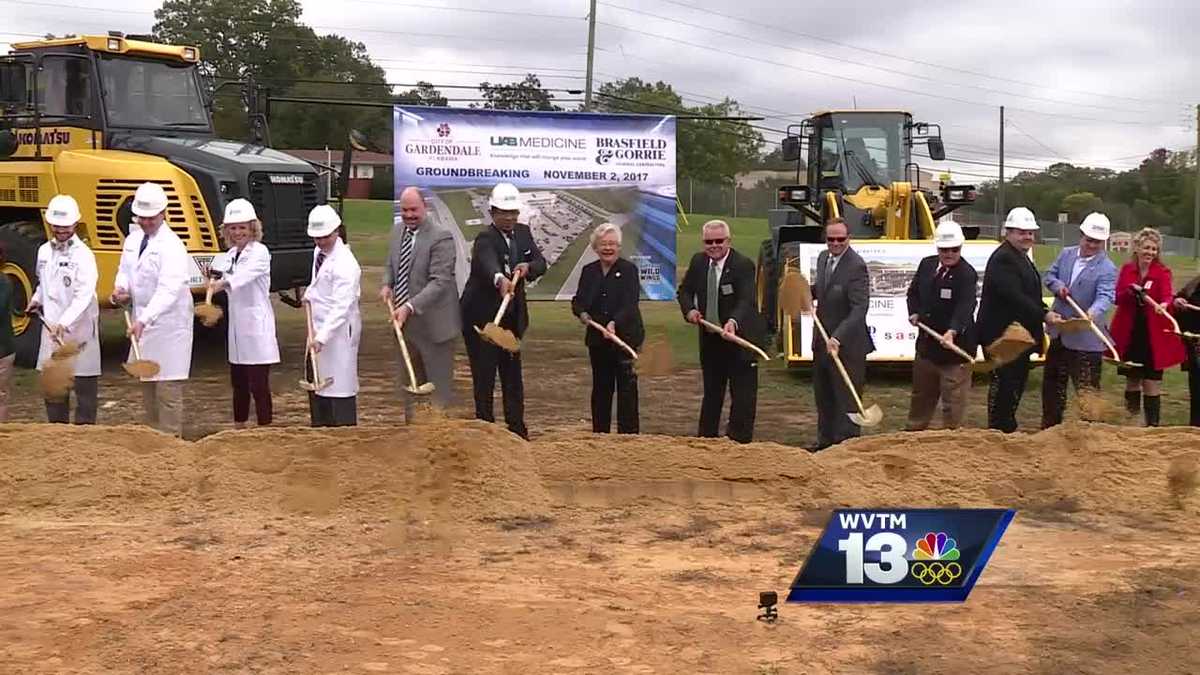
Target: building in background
363, 168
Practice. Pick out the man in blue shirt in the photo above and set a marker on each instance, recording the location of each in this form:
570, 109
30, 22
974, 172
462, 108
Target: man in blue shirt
1084, 273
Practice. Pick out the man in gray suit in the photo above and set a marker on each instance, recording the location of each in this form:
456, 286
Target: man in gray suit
842, 291
419, 283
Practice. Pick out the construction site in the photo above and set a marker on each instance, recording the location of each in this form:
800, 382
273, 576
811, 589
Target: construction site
440, 544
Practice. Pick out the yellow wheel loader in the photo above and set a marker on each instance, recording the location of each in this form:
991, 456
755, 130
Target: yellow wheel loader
96, 116
859, 167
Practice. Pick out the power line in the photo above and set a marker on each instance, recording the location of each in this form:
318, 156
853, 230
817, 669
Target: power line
865, 82
931, 64
761, 41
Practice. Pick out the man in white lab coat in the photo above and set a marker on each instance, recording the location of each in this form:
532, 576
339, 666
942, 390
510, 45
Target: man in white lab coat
66, 299
332, 296
153, 276
245, 276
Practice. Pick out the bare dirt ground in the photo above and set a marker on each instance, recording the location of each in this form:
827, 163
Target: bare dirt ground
451, 546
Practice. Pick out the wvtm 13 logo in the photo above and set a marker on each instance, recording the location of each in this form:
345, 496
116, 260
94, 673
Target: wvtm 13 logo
900, 555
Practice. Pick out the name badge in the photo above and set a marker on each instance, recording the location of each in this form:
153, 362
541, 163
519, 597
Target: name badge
726, 289
946, 293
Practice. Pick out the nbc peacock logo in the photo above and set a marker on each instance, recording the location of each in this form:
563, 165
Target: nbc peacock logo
935, 557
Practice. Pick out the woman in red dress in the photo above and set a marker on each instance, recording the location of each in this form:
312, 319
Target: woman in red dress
1141, 333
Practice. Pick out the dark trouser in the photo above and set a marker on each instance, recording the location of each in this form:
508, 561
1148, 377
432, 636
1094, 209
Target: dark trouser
949, 382
251, 381
486, 359
1062, 364
87, 391
1005, 392
724, 367
833, 398
1194, 393
612, 370
327, 411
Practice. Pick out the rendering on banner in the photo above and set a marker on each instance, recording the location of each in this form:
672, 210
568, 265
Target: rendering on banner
574, 171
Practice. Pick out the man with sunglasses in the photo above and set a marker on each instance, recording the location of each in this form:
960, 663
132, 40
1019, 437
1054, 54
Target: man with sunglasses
1086, 275
843, 292
719, 287
942, 297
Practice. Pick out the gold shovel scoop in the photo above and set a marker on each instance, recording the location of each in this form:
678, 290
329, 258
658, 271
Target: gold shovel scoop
492, 332
208, 313
138, 367
796, 298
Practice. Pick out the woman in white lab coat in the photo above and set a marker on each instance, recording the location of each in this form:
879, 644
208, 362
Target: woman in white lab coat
66, 299
246, 280
332, 296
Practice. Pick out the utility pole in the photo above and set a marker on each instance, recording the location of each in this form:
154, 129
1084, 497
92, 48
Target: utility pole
1196, 208
1000, 203
591, 56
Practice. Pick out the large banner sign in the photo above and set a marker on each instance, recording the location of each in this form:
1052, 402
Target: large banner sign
574, 170
891, 265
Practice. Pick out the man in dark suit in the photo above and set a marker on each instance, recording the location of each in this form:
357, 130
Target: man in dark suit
419, 283
1012, 291
843, 292
719, 286
942, 297
500, 250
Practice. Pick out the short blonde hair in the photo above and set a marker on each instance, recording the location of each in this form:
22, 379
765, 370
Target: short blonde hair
1146, 234
255, 232
603, 229
714, 224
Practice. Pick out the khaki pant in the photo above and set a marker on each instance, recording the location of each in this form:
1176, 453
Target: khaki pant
950, 383
164, 406
6, 369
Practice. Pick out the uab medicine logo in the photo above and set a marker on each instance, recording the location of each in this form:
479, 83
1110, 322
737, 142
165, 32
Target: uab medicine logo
903, 555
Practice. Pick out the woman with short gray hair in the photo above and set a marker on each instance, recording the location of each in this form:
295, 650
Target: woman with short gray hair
608, 294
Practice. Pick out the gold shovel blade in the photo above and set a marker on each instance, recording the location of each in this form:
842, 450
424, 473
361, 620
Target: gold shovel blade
871, 417
501, 337
142, 368
422, 390
209, 315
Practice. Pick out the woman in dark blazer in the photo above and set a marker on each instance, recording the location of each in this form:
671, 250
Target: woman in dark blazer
608, 293
1189, 322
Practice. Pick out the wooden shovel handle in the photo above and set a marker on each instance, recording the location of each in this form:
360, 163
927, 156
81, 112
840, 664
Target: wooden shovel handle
312, 354
841, 368
209, 293
615, 339
412, 374
507, 297
137, 351
737, 339
1163, 310
948, 345
1095, 329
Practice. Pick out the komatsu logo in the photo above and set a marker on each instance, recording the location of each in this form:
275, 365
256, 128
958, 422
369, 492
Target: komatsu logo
49, 137
286, 179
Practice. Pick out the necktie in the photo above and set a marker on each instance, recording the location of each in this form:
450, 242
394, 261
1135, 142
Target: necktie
142, 249
829, 268
710, 312
320, 259
400, 289
941, 274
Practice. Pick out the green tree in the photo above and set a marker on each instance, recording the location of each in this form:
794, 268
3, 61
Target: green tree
1080, 204
423, 94
528, 94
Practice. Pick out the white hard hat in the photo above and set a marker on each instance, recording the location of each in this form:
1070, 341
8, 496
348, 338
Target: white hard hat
149, 200
62, 211
948, 235
1096, 226
1021, 218
239, 211
505, 197
323, 221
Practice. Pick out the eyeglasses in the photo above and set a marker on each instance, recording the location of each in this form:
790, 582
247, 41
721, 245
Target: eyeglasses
836, 240
714, 242
956, 249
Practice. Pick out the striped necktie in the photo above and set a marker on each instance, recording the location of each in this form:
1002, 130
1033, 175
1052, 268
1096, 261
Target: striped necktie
400, 289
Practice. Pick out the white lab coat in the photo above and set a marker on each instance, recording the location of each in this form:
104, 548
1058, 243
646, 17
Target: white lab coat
251, 319
67, 292
337, 324
162, 300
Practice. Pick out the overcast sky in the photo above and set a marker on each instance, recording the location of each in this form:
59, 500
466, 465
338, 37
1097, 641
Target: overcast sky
1089, 82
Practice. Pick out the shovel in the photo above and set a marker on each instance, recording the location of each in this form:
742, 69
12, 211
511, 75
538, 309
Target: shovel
1163, 310
736, 339
424, 389
493, 333
209, 313
978, 367
796, 298
138, 367
317, 384
620, 343
1116, 358
64, 350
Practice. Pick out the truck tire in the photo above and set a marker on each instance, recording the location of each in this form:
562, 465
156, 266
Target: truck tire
21, 240
767, 281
